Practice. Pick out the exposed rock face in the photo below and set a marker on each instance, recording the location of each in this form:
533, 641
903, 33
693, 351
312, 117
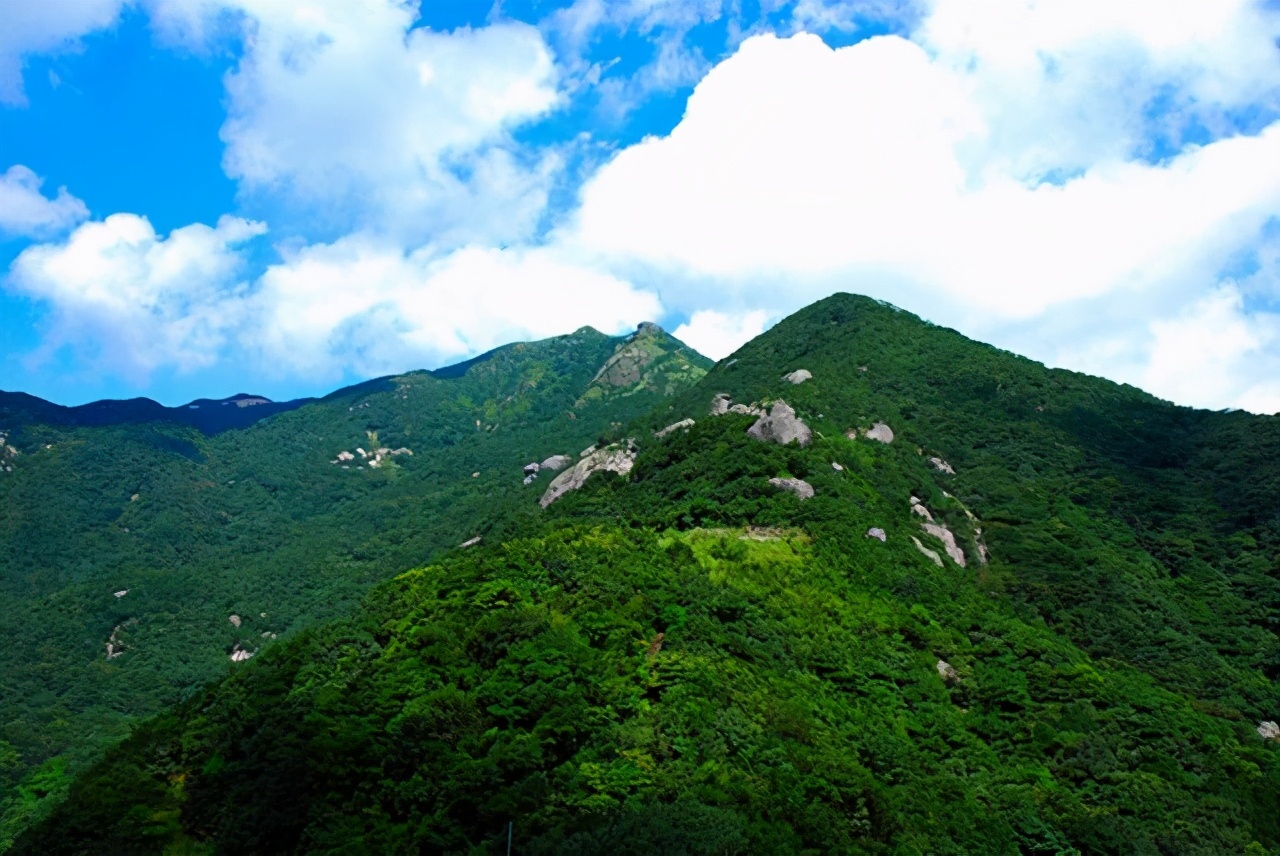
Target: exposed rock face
835, 466
471, 542
799, 487
881, 432
344, 455
675, 426
948, 540
239, 655
922, 511
877, 533
234, 619
532, 469
746, 409
798, 376
937, 560
611, 459
1268, 730
942, 466
781, 426
587, 451
948, 673
121, 593
720, 404
555, 462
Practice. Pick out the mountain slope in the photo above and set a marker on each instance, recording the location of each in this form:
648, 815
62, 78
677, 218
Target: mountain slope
269, 524
691, 658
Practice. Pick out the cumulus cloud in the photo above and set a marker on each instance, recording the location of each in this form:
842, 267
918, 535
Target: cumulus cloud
348, 115
966, 175
718, 334
127, 300
364, 305
26, 212
34, 28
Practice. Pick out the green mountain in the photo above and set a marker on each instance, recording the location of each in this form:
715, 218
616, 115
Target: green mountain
142, 554
974, 606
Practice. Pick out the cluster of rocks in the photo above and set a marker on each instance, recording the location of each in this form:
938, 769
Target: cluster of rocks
7, 453
239, 654
941, 466
373, 459
799, 487
114, 647
1269, 730
722, 404
551, 464
615, 458
674, 426
939, 531
781, 425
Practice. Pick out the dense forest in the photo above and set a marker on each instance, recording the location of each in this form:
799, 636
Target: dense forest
265, 524
1014, 610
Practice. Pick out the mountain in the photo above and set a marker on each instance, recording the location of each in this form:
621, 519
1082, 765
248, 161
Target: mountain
985, 607
141, 555
207, 415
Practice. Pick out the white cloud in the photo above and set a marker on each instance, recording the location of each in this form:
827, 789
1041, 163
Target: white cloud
26, 212
717, 334
129, 301
358, 121
362, 305
915, 172
1216, 354
33, 27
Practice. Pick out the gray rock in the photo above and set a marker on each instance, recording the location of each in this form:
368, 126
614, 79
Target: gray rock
610, 459
746, 409
937, 560
947, 672
835, 466
720, 404
799, 487
781, 426
798, 376
675, 426
1269, 730
471, 543
948, 540
942, 466
531, 478
532, 469
881, 432
877, 533
917, 508
555, 462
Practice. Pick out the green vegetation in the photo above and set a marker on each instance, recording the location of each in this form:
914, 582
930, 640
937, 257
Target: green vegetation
199, 528
690, 660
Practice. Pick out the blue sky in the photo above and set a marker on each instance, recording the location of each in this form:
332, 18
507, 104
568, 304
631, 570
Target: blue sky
226, 196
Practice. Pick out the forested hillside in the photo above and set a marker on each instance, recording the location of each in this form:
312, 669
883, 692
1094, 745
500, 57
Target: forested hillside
975, 606
141, 557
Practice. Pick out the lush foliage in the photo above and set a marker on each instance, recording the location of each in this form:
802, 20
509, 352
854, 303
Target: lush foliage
257, 523
689, 660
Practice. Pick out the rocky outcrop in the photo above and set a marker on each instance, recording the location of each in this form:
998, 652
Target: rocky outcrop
720, 404
948, 673
121, 593
675, 426
942, 466
470, 542
235, 620
1269, 730
835, 466
532, 469
917, 508
877, 533
799, 487
555, 463
798, 376
611, 459
781, 426
948, 540
239, 655
879, 431
937, 560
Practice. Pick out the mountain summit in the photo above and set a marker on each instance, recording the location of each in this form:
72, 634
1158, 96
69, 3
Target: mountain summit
865, 586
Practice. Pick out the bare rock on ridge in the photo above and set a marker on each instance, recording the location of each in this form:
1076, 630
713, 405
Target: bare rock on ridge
611, 459
675, 426
799, 487
798, 376
781, 426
